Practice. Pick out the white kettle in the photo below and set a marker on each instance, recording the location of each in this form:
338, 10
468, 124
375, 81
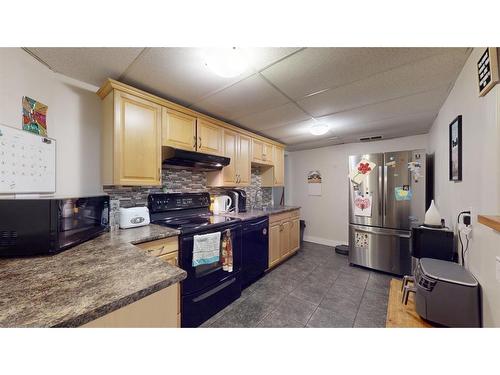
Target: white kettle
222, 203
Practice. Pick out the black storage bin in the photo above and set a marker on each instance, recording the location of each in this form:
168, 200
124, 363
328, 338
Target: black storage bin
432, 243
302, 228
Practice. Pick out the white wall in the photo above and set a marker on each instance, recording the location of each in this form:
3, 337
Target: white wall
480, 186
73, 117
326, 216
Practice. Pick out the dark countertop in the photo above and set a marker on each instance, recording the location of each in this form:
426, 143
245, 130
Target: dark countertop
85, 282
256, 213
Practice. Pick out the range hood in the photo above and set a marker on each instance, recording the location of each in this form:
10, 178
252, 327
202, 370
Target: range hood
182, 159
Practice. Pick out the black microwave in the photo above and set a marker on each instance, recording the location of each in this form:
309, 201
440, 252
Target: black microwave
49, 226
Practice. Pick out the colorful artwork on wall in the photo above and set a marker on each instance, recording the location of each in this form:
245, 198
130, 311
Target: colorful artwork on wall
34, 116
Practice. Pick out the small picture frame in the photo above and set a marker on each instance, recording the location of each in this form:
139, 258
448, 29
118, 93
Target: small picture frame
487, 70
455, 152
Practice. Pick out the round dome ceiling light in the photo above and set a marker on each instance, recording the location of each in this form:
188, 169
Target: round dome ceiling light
318, 129
226, 62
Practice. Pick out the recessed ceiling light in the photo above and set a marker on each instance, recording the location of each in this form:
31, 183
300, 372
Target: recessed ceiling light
226, 62
318, 129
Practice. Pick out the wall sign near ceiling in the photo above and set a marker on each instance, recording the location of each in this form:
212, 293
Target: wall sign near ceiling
487, 70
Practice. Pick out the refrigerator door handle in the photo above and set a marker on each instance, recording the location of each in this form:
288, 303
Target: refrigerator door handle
385, 192
385, 232
380, 187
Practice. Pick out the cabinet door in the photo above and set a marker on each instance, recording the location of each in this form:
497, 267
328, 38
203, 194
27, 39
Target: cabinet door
285, 238
137, 141
267, 151
210, 138
179, 130
229, 173
295, 235
171, 258
243, 160
274, 244
279, 166
257, 150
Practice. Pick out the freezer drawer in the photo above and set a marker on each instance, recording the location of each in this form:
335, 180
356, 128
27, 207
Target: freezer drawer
380, 249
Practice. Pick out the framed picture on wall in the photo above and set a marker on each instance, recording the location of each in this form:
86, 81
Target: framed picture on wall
455, 144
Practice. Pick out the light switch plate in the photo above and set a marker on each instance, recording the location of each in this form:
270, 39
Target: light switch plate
498, 269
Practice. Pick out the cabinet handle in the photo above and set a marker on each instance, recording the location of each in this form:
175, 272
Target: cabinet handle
200, 142
194, 144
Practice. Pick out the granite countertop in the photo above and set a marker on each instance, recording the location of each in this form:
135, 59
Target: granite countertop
256, 213
85, 282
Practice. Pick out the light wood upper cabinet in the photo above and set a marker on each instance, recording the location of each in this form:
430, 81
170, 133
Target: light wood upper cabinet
244, 167
262, 152
279, 166
229, 173
178, 130
209, 137
238, 172
131, 141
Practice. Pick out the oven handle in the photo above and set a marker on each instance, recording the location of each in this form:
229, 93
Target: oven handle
214, 290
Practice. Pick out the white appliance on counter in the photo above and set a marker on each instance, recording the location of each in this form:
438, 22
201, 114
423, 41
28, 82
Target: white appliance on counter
134, 217
222, 203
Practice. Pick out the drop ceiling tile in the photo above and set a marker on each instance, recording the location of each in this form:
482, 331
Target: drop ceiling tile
404, 80
90, 65
392, 128
262, 57
315, 69
290, 130
251, 95
179, 74
273, 117
429, 101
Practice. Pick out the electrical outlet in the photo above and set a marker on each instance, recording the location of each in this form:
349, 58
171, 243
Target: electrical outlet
498, 268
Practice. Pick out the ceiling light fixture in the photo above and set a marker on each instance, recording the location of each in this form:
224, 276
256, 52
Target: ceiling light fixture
226, 62
318, 129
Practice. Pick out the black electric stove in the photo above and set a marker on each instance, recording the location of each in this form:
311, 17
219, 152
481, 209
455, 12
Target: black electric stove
187, 212
208, 288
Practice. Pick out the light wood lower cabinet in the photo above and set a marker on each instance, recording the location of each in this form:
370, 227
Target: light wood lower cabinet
284, 236
158, 310
274, 244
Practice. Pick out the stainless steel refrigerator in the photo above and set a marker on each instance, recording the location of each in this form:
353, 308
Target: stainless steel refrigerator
387, 196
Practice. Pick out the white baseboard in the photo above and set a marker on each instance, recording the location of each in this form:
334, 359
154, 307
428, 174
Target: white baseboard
323, 241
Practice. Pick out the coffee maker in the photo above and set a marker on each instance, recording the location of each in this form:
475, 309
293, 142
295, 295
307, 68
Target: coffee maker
239, 200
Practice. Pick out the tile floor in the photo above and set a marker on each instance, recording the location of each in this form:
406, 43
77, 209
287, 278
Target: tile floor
315, 288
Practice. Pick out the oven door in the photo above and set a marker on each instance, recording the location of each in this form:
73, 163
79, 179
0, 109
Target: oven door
207, 275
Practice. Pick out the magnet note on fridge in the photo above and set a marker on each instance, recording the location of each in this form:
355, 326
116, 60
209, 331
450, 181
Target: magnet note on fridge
27, 162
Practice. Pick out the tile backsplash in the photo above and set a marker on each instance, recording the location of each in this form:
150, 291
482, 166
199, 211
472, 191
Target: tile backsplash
182, 180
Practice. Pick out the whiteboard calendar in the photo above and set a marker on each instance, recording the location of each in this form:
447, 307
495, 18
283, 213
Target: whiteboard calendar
27, 162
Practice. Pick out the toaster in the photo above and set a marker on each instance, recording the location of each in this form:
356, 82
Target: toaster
133, 217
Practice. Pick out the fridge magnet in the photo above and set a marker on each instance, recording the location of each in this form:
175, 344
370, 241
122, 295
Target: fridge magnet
455, 149
34, 116
363, 205
314, 181
415, 170
363, 169
403, 193
361, 240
